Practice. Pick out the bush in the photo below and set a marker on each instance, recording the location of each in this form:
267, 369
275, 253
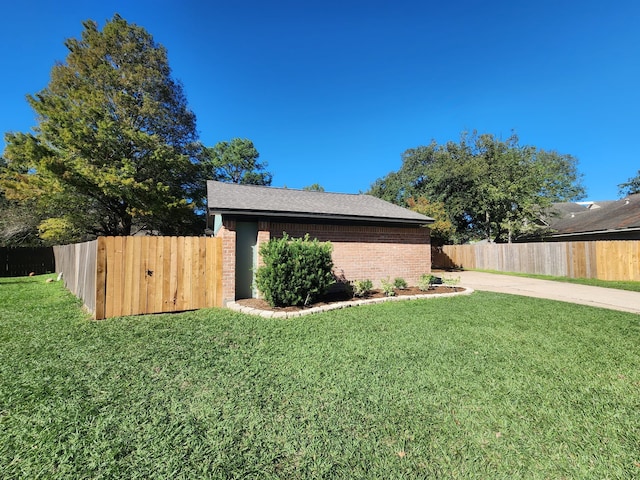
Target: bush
451, 282
362, 287
426, 282
400, 283
388, 288
295, 271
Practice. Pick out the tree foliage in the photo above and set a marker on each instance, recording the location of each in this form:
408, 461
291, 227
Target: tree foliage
18, 225
18, 222
115, 145
442, 230
631, 186
236, 161
491, 188
314, 187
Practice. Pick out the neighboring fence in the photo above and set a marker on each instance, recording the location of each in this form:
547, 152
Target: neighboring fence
118, 276
77, 263
21, 261
604, 260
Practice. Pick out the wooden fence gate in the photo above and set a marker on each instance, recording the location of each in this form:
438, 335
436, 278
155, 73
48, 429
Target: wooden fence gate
140, 275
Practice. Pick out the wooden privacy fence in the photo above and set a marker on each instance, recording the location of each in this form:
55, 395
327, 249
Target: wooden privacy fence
21, 261
118, 276
77, 263
604, 260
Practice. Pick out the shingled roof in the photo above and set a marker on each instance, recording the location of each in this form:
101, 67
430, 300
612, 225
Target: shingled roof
253, 200
603, 217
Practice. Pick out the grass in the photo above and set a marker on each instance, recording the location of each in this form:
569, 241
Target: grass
481, 386
594, 282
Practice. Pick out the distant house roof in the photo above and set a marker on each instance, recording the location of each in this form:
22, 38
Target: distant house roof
252, 200
609, 217
561, 210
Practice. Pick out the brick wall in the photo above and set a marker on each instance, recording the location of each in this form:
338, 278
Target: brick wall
264, 235
359, 252
228, 234
367, 252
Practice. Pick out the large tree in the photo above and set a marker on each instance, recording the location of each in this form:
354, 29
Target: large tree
236, 161
442, 230
631, 186
115, 146
491, 188
18, 222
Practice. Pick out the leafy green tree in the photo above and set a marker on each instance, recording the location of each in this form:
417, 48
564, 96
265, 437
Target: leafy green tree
491, 188
631, 186
236, 161
442, 230
18, 223
314, 187
115, 146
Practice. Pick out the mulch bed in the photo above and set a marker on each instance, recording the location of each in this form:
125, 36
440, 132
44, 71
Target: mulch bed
339, 297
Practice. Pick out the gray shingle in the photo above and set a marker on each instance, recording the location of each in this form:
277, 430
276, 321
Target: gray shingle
613, 215
236, 199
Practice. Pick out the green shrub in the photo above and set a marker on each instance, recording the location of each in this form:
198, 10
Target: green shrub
362, 287
426, 282
388, 288
295, 272
451, 282
400, 283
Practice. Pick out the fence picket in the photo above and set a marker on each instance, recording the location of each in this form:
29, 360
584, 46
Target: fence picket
118, 275
200, 287
128, 278
172, 297
158, 276
166, 273
150, 275
187, 273
102, 293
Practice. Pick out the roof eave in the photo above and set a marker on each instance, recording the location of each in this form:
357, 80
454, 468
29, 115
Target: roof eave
596, 232
320, 216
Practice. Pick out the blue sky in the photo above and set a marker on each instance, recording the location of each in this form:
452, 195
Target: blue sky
332, 92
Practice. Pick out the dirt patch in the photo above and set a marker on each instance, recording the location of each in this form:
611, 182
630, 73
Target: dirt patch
341, 297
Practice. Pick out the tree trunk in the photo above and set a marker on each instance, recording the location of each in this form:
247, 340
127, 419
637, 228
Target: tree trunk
127, 223
488, 220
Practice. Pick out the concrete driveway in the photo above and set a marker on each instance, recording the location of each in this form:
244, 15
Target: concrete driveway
610, 298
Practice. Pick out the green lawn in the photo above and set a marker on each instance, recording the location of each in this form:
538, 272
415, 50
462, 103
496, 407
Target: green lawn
480, 386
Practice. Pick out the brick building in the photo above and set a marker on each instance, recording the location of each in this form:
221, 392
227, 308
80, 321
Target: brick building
372, 239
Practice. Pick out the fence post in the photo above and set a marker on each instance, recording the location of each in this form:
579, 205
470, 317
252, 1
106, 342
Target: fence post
101, 278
